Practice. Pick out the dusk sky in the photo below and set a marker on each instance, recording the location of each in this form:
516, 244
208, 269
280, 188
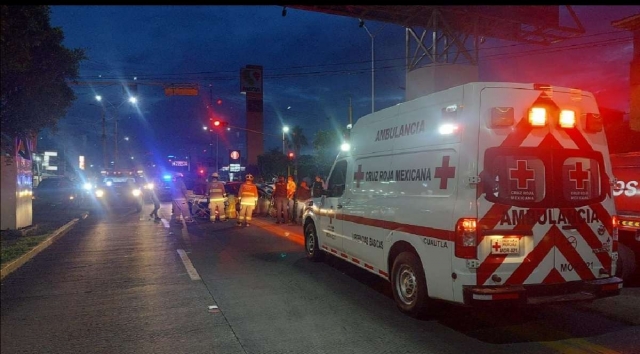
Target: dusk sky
313, 63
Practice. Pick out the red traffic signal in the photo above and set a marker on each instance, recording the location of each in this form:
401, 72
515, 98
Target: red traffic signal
220, 123
291, 155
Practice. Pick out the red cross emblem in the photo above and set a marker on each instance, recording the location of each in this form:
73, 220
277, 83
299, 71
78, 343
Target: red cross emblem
522, 174
496, 246
358, 176
579, 176
445, 172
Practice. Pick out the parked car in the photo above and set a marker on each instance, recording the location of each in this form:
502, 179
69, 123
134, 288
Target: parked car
57, 191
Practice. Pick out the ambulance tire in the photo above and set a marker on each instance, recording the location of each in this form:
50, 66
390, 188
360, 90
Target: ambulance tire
626, 264
311, 246
409, 286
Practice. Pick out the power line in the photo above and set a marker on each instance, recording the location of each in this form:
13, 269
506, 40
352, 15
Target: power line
232, 75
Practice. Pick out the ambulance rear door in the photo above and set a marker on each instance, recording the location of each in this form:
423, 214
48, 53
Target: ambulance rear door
544, 213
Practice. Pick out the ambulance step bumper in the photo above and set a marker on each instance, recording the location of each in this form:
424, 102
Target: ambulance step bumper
542, 293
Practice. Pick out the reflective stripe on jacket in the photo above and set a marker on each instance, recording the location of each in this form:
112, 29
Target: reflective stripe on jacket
248, 194
216, 191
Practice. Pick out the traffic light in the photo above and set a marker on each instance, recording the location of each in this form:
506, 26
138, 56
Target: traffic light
219, 123
291, 155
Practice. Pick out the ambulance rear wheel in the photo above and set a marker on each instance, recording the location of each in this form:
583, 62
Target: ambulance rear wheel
409, 284
311, 246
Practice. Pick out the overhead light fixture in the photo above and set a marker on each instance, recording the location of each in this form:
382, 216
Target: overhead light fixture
284, 11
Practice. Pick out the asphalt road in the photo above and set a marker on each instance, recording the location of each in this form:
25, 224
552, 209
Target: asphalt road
125, 284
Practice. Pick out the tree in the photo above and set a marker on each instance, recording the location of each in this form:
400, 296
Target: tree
298, 140
35, 68
326, 144
272, 164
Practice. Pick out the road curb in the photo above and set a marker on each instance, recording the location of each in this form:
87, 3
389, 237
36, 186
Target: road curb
18, 262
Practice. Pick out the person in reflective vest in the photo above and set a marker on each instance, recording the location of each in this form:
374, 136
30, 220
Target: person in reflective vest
215, 191
248, 195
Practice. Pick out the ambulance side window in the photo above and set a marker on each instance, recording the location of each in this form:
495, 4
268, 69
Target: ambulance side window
337, 180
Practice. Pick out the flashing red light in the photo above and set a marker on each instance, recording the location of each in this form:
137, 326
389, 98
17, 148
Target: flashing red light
219, 102
216, 123
291, 155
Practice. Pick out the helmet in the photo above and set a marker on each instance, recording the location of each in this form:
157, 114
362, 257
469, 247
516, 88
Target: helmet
249, 177
215, 175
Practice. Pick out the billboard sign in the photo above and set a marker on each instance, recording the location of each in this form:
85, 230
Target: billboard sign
251, 80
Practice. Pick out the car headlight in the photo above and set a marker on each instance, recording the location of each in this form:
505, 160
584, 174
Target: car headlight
87, 186
136, 192
148, 186
99, 193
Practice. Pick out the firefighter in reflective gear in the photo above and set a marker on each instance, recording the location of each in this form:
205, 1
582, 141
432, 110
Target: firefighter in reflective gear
215, 191
248, 195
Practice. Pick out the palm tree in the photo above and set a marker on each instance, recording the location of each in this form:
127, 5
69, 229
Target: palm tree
298, 140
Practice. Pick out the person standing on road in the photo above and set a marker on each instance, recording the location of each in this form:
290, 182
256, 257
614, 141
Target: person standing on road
303, 194
280, 197
248, 194
215, 191
155, 183
291, 193
180, 208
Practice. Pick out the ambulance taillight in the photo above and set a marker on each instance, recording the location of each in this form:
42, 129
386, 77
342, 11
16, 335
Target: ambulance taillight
614, 237
538, 116
567, 118
466, 238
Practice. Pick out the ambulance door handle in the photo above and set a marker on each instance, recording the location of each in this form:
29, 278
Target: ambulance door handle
339, 206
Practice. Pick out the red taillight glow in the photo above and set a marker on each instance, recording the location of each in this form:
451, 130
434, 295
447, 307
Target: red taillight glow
466, 238
614, 237
538, 116
567, 119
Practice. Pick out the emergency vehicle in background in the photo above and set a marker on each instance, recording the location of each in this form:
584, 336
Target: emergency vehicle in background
626, 192
486, 192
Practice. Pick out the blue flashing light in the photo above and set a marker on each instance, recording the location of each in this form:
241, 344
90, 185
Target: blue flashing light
166, 177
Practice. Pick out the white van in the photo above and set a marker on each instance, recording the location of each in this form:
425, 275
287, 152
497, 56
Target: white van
487, 192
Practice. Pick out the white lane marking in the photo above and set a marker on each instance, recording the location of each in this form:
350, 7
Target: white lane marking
193, 273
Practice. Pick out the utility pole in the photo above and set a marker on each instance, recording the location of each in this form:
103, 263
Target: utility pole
104, 139
115, 134
373, 70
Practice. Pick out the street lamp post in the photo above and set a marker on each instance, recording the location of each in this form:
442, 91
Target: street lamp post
285, 129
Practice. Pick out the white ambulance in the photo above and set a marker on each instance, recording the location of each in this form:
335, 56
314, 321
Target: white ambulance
487, 192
